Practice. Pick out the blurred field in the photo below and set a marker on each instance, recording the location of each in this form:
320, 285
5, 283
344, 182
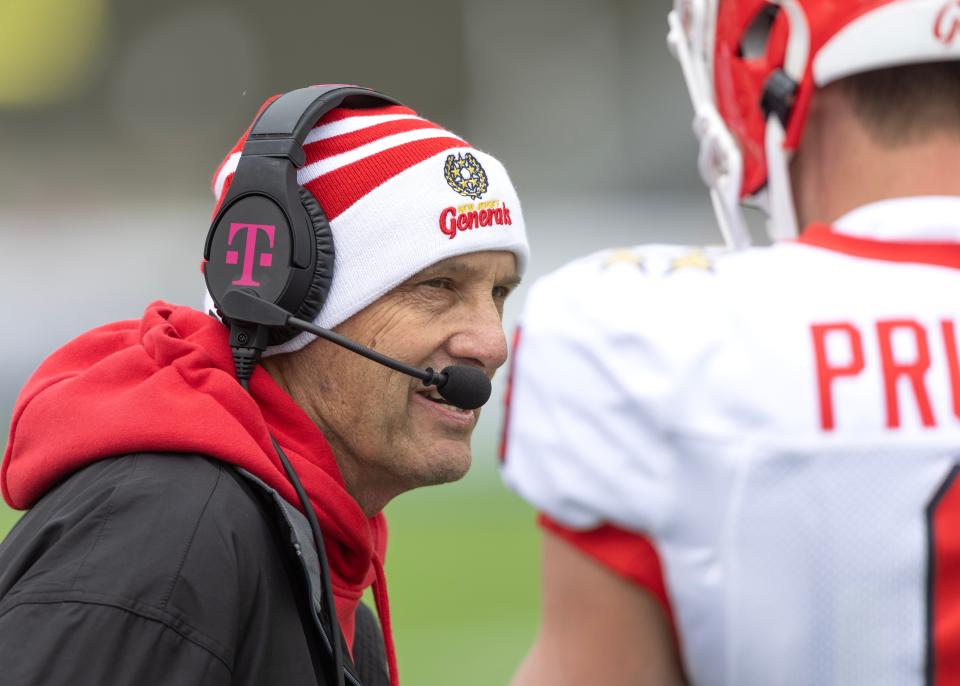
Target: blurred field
464, 589
461, 570
7, 519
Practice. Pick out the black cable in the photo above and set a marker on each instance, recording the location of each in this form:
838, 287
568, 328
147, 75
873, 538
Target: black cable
247, 343
245, 360
326, 590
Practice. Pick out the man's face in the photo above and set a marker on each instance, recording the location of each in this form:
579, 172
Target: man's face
388, 431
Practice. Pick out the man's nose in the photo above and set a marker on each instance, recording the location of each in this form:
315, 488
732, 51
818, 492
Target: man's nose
480, 338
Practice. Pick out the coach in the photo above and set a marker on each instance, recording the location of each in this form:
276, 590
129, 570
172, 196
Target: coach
164, 541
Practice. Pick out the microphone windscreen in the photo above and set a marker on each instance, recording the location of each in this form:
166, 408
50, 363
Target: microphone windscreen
466, 387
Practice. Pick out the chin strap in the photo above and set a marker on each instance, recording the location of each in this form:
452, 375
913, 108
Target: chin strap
781, 212
720, 166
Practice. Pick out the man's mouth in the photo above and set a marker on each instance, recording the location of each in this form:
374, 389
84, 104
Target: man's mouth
433, 395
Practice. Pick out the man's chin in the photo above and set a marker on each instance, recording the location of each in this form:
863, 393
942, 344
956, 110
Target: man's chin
447, 468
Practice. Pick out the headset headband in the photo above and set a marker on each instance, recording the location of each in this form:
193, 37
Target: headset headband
283, 126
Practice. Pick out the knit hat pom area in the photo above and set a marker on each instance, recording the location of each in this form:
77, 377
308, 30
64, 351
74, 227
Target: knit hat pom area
401, 193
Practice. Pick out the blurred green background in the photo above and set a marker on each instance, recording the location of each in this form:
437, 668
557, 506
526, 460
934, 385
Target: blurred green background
462, 570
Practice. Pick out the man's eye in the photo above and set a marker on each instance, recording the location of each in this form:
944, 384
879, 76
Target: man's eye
501, 292
436, 283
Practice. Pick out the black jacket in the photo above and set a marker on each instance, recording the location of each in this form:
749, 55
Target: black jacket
166, 569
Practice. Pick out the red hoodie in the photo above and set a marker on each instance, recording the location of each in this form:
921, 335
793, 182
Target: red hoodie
166, 383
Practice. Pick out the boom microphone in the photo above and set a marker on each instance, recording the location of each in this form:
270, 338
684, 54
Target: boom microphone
463, 386
466, 387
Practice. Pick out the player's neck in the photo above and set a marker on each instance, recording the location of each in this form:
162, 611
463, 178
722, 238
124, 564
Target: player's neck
840, 167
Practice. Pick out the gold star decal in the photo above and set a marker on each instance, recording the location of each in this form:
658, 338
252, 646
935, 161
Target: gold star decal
695, 259
625, 256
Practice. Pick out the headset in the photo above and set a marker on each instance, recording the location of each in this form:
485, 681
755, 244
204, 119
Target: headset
264, 198
267, 297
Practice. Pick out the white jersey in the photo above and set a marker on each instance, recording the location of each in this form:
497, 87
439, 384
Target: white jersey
782, 423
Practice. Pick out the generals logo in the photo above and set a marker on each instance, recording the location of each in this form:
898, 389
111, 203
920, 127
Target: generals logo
465, 175
474, 216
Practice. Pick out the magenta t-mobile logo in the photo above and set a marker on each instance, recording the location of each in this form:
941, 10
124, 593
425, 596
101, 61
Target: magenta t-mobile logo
249, 250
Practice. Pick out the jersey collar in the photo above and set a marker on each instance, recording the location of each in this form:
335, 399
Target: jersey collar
920, 230
934, 218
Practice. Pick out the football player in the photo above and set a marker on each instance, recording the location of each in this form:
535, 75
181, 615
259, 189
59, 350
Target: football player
745, 460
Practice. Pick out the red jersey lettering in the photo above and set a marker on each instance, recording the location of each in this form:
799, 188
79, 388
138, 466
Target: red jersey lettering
914, 370
828, 373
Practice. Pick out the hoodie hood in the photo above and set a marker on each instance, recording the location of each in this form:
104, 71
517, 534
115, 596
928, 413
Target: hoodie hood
166, 384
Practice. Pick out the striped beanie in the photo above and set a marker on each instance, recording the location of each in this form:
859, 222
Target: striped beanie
401, 193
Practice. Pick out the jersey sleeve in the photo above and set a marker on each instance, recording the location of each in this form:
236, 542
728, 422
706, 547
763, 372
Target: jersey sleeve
629, 555
601, 372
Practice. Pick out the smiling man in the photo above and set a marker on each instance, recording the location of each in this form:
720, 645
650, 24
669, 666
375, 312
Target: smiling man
449, 313
165, 543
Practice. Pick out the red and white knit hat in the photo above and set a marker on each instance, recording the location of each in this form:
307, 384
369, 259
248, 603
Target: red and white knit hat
401, 193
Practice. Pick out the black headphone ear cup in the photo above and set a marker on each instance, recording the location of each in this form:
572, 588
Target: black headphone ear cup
319, 288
